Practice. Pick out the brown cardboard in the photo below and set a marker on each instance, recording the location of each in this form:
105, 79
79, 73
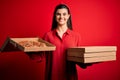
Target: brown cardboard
15, 43
93, 48
91, 59
90, 54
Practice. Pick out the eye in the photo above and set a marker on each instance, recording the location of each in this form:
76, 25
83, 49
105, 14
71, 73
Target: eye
64, 14
57, 13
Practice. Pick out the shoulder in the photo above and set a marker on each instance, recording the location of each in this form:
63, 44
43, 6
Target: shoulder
74, 33
48, 34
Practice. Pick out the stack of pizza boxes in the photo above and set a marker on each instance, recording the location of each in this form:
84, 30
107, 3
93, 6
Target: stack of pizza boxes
92, 54
30, 44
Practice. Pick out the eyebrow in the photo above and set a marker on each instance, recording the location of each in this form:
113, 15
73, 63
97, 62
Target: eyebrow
62, 13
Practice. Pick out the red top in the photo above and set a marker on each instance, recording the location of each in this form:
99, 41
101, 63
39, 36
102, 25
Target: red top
69, 39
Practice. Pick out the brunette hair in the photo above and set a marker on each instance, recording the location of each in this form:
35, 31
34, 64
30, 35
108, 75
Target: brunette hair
54, 23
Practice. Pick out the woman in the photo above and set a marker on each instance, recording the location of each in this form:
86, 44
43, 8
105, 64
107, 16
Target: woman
63, 37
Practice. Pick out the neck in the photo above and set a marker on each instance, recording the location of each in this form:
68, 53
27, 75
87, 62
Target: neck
62, 29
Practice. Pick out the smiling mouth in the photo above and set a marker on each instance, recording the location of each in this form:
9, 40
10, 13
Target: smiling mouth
61, 20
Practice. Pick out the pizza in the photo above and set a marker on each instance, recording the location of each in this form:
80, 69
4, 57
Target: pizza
32, 44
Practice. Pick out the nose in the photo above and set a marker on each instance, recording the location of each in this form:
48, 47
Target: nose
61, 16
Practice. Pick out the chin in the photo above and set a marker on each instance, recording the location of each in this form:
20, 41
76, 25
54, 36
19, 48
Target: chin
61, 23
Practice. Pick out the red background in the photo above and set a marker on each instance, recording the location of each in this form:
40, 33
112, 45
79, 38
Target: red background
97, 21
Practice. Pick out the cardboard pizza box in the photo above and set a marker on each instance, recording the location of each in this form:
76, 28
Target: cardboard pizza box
89, 54
33, 44
92, 59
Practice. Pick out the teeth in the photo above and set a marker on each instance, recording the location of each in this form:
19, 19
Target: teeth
62, 20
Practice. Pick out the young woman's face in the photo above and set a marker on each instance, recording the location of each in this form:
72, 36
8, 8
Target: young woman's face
62, 16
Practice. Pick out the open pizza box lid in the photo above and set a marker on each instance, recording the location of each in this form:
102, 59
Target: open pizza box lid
34, 44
